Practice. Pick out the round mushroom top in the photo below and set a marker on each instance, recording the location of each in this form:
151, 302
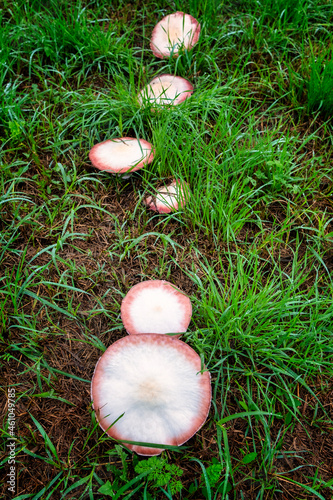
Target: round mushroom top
150, 389
173, 32
122, 154
165, 90
169, 198
155, 306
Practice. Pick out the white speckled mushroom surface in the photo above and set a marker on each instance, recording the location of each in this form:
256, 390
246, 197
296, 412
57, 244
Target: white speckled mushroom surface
155, 382
155, 306
172, 32
165, 90
122, 154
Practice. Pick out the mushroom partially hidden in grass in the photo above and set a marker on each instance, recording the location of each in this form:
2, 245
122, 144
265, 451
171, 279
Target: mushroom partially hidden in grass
169, 198
155, 306
173, 32
150, 389
121, 155
165, 90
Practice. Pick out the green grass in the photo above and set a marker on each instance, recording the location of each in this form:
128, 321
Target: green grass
252, 248
320, 93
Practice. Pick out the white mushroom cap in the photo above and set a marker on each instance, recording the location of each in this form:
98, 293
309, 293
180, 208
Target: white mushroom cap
172, 32
122, 154
155, 306
150, 389
165, 90
169, 198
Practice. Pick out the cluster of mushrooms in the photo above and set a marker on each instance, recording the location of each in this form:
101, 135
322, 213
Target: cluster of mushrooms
150, 389
124, 155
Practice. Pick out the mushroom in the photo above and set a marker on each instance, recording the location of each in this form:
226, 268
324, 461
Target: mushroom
121, 155
169, 198
173, 32
155, 306
165, 90
150, 389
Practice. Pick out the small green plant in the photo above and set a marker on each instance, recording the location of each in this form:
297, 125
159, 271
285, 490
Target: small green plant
118, 471
210, 480
161, 473
214, 473
275, 177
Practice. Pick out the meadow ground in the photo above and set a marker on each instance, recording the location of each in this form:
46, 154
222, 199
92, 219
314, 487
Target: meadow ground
253, 248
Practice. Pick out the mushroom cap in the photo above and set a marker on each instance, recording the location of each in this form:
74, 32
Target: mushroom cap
165, 90
155, 306
122, 154
150, 389
172, 32
169, 198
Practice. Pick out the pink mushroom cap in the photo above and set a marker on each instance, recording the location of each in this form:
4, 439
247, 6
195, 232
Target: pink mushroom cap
156, 306
121, 155
150, 389
165, 90
173, 32
169, 198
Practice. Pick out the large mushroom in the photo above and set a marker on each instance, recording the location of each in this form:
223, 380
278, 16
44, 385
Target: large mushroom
121, 155
150, 389
169, 198
173, 32
156, 306
165, 90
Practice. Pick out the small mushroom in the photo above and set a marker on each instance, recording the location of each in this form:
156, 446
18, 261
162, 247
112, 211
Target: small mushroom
121, 155
173, 32
150, 389
169, 198
165, 90
155, 306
